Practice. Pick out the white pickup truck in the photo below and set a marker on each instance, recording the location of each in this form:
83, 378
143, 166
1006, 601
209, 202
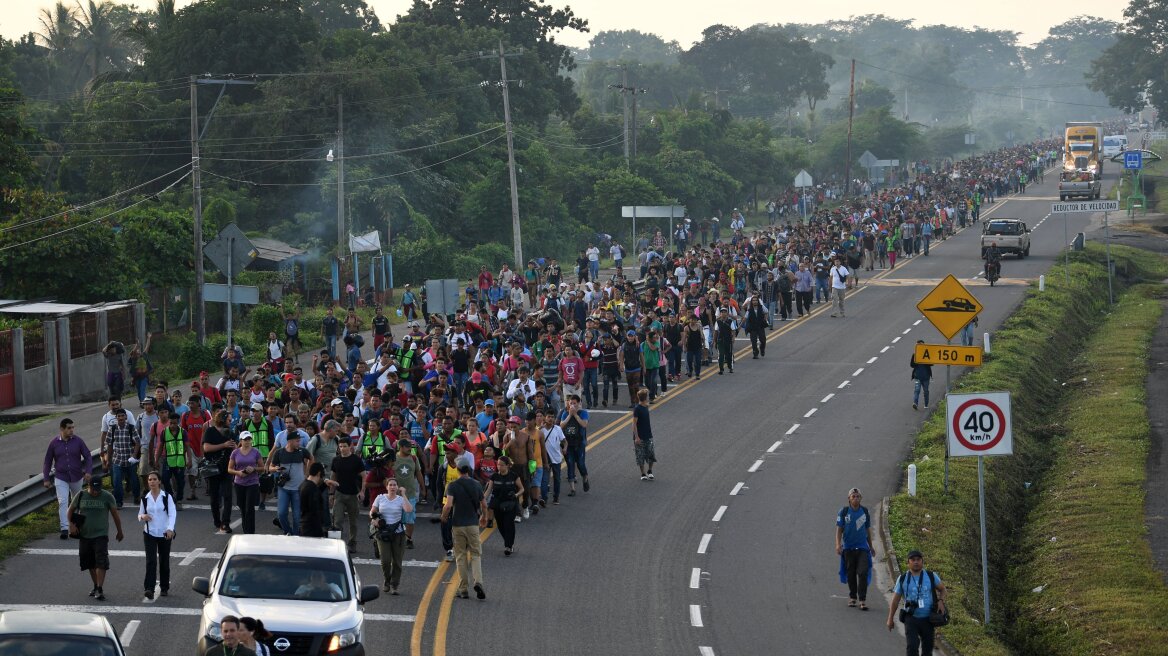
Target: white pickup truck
1011, 236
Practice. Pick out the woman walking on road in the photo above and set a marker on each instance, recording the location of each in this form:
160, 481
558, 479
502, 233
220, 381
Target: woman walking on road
157, 516
387, 512
504, 490
246, 464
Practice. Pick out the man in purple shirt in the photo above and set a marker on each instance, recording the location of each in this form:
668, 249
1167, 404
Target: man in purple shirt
69, 462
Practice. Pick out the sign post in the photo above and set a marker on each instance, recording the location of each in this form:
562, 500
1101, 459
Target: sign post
802, 181
230, 251
949, 307
980, 425
1105, 206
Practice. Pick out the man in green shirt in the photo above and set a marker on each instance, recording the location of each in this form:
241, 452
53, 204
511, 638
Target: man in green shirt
652, 349
96, 506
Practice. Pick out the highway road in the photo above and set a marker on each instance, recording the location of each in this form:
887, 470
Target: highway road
729, 551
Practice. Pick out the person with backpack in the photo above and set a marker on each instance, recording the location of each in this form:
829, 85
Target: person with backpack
921, 591
853, 544
839, 283
157, 514
921, 375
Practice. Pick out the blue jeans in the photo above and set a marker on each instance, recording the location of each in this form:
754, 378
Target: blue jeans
290, 525
460, 383
918, 384
591, 388
693, 362
330, 343
927, 239
554, 475
122, 473
593, 270
821, 287
141, 384
674, 356
575, 456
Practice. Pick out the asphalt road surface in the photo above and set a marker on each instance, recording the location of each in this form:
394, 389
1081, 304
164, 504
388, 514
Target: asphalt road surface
729, 551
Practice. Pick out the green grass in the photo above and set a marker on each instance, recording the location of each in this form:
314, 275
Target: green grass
18, 534
16, 427
1089, 516
1036, 351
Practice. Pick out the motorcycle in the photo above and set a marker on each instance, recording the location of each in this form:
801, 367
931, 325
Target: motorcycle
993, 271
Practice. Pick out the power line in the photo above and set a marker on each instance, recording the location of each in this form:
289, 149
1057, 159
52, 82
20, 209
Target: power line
96, 202
380, 177
100, 218
366, 156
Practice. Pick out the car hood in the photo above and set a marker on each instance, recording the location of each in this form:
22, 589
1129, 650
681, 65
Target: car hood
294, 616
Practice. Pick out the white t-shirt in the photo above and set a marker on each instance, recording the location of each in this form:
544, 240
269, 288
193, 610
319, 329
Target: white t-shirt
593, 254
276, 349
615, 251
680, 273
109, 419
836, 283
551, 443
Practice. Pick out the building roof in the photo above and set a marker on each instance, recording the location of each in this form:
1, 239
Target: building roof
274, 250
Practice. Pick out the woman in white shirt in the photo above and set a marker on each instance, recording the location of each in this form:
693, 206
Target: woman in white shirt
389, 507
157, 515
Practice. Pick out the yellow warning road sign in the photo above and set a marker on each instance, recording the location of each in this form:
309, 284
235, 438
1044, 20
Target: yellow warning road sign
946, 355
949, 306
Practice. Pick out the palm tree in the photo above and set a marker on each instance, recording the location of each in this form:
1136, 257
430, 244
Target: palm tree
148, 31
58, 28
99, 42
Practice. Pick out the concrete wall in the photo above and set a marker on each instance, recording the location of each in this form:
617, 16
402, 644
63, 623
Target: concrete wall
37, 387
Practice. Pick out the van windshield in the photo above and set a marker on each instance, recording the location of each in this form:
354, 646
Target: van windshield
249, 576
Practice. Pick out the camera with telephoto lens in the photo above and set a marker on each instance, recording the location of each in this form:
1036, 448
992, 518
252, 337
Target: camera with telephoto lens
282, 477
380, 458
909, 608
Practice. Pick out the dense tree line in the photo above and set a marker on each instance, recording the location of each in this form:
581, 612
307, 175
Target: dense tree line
95, 125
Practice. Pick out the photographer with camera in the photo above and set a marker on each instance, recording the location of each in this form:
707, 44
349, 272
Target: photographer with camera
923, 593
387, 513
290, 465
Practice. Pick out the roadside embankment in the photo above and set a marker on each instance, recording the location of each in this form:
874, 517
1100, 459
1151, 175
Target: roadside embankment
1070, 567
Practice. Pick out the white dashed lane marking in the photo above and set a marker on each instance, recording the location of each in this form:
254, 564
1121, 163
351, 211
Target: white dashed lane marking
695, 616
705, 542
827, 398
871, 359
737, 488
792, 429
810, 412
721, 511
775, 446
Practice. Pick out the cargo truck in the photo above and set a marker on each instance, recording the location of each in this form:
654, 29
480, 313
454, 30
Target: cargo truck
1082, 172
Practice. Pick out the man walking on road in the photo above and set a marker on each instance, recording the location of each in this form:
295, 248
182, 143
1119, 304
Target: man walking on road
853, 544
96, 506
920, 588
839, 284
229, 629
921, 375
466, 507
68, 463
643, 436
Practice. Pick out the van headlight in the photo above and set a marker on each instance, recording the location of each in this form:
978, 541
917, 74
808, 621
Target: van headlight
342, 639
213, 631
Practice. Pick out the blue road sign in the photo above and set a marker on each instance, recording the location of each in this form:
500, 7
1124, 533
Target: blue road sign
1133, 159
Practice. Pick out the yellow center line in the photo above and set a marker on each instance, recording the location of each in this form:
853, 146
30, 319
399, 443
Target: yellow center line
447, 600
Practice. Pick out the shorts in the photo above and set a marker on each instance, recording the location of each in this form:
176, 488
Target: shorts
193, 469
537, 478
644, 452
411, 517
94, 553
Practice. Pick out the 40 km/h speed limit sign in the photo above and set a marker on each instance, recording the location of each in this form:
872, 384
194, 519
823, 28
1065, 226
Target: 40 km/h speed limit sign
979, 424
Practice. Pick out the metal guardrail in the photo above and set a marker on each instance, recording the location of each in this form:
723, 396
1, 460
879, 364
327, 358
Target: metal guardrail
30, 496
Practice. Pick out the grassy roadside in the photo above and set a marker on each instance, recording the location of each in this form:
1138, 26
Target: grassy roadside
17, 426
1089, 517
1034, 352
18, 534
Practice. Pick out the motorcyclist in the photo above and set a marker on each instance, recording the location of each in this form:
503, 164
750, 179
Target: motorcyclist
993, 258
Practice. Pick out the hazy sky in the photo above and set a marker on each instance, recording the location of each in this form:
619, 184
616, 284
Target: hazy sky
683, 21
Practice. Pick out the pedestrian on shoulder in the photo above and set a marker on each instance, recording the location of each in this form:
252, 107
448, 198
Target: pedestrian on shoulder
157, 514
89, 514
921, 591
921, 375
853, 544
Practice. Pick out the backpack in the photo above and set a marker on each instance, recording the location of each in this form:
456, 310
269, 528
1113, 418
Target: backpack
622, 251
165, 502
290, 328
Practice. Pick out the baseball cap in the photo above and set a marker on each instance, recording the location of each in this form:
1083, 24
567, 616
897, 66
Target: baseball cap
631, 333
915, 554
337, 402
293, 435
244, 435
514, 419
257, 406
476, 377
95, 481
489, 402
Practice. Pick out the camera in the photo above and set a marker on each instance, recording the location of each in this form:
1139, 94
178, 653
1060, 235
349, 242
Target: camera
909, 607
282, 477
380, 458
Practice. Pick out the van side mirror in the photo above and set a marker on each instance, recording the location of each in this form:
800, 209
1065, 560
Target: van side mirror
201, 585
369, 593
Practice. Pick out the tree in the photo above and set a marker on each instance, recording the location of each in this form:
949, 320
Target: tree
334, 15
1132, 71
632, 46
619, 187
100, 43
875, 130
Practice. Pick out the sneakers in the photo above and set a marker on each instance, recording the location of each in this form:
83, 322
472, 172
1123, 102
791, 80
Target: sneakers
393, 590
100, 594
649, 476
586, 485
65, 536
543, 502
571, 493
526, 513
914, 406
149, 594
409, 543
263, 506
535, 509
221, 531
644, 477
507, 551
450, 555
479, 592
93, 592
555, 501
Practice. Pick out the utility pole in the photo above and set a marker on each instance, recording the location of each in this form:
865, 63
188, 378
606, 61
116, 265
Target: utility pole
625, 102
340, 181
198, 315
851, 115
516, 236
199, 311
625, 89
635, 122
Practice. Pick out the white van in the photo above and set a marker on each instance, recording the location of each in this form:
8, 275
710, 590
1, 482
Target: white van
1114, 145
